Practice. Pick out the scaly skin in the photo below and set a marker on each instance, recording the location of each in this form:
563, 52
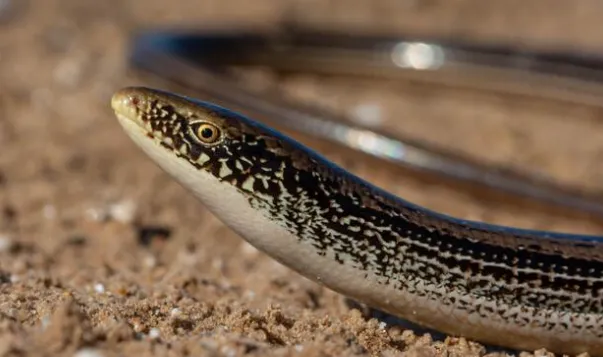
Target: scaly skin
499, 285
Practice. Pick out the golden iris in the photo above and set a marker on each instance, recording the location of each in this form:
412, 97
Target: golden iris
207, 133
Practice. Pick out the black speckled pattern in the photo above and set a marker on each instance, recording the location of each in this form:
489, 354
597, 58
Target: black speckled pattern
464, 265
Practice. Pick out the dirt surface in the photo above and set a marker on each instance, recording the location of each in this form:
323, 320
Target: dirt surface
102, 254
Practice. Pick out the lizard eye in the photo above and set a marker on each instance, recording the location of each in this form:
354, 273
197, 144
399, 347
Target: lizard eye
206, 133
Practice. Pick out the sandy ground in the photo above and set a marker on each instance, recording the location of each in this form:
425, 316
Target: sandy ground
102, 254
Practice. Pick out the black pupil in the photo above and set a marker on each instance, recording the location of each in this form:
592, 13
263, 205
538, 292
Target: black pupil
207, 133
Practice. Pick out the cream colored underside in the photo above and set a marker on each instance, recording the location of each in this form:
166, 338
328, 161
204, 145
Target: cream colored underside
227, 203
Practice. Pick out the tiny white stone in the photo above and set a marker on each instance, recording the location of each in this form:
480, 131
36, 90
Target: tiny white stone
299, 347
45, 322
382, 325
150, 261
88, 352
228, 351
123, 211
96, 214
5, 242
175, 312
99, 288
154, 333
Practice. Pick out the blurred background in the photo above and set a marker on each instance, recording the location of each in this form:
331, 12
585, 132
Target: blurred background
103, 254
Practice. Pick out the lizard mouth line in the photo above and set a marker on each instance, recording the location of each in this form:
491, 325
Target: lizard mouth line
124, 105
127, 118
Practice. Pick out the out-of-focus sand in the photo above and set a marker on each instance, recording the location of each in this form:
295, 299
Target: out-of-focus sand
84, 264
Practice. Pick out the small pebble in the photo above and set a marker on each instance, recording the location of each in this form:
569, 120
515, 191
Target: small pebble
175, 312
137, 326
228, 351
154, 333
150, 261
88, 352
45, 322
49, 211
218, 264
123, 211
6, 243
96, 214
99, 288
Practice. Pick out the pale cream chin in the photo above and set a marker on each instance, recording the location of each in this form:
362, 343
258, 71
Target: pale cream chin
227, 203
